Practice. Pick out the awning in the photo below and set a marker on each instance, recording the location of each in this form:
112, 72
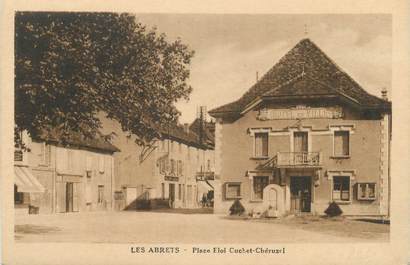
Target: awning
25, 180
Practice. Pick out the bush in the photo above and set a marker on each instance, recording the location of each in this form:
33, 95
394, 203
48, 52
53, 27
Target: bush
237, 208
333, 210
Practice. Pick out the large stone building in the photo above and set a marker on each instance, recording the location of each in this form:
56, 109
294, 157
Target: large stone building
55, 178
175, 172
304, 135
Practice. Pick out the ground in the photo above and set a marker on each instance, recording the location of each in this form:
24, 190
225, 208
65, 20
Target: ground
191, 227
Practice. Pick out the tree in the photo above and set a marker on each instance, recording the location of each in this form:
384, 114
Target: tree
71, 66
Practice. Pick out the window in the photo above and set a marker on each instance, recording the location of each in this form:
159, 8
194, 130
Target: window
208, 165
100, 194
101, 164
18, 155
163, 190
341, 188
366, 191
18, 196
89, 174
259, 183
179, 168
232, 190
173, 166
261, 144
89, 163
45, 154
70, 161
341, 143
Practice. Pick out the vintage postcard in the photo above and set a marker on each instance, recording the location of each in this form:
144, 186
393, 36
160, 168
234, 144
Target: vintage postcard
158, 134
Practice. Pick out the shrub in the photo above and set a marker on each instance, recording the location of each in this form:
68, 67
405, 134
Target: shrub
237, 208
333, 210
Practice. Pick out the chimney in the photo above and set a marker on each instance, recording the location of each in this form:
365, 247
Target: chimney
384, 93
186, 127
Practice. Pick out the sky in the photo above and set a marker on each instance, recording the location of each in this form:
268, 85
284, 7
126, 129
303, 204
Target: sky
230, 49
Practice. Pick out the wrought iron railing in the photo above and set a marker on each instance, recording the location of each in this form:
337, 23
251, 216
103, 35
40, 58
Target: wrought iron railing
297, 159
205, 175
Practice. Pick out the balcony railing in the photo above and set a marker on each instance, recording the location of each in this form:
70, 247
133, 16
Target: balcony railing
205, 175
18, 155
297, 159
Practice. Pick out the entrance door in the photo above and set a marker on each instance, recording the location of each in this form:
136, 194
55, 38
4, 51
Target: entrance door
172, 195
272, 198
300, 189
69, 195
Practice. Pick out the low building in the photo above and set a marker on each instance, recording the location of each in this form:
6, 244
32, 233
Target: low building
304, 135
55, 178
163, 175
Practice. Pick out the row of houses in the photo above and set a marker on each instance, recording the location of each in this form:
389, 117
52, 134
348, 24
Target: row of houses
304, 135
97, 174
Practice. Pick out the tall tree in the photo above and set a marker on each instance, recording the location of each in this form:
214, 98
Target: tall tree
71, 66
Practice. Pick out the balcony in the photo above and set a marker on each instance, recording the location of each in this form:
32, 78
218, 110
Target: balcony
297, 159
205, 175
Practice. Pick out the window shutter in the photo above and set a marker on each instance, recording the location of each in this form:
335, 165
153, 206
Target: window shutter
101, 164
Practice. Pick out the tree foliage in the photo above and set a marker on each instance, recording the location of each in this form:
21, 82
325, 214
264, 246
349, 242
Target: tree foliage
71, 66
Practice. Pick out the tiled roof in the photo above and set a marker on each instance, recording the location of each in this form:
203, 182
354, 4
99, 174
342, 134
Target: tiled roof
209, 130
304, 70
77, 140
177, 133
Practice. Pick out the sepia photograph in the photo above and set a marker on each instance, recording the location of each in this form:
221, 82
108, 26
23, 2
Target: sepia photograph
173, 133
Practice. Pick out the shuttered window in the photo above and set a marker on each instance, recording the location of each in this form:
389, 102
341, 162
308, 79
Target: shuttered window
45, 154
341, 143
261, 144
101, 165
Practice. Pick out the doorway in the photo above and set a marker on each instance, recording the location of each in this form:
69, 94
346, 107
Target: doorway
301, 194
172, 195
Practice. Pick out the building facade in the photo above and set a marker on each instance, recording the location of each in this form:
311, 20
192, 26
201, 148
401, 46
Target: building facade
306, 134
56, 179
166, 174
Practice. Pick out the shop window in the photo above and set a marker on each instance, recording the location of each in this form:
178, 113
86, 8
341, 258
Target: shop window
341, 188
259, 183
261, 144
163, 190
341, 144
366, 191
232, 190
